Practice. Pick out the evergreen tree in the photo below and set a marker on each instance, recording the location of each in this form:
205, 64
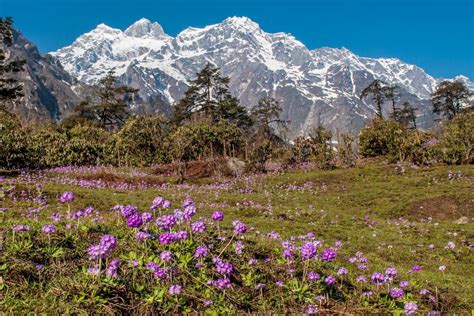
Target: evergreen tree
392, 93
10, 88
407, 114
449, 98
108, 104
208, 97
379, 94
267, 112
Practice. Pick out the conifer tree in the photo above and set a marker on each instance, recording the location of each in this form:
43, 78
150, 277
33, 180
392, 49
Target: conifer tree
208, 97
449, 98
108, 104
10, 88
379, 94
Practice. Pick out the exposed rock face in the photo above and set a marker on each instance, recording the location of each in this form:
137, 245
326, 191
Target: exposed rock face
49, 91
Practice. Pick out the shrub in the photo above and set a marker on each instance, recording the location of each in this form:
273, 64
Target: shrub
14, 151
141, 141
457, 140
382, 138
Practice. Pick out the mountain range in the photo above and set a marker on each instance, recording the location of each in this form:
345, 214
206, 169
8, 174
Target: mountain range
320, 86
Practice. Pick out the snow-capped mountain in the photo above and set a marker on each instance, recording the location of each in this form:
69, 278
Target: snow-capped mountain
320, 86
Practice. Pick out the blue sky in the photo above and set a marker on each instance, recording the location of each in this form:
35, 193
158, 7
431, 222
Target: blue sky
437, 35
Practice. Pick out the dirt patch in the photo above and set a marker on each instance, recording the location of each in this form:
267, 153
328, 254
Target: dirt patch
443, 208
111, 178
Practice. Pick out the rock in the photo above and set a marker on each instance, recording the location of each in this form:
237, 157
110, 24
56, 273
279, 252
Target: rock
462, 220
236, 166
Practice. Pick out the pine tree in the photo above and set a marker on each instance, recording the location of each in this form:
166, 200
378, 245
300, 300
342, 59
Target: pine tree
108, 104
10, 88
267, 112
208, 97
392, 93
449, 98
407, 114
379, 94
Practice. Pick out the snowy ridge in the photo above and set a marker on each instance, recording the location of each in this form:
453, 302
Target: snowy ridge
318, 86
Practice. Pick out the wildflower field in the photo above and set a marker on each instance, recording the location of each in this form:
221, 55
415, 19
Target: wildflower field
369, 239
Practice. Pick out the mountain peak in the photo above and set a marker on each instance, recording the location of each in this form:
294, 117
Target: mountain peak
145, 28
241, 22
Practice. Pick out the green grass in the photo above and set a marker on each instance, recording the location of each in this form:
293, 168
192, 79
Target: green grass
334, 209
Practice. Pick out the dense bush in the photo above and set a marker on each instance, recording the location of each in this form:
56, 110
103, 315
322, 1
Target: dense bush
381, 138
14, 151
141, 141
457, 140
317, 147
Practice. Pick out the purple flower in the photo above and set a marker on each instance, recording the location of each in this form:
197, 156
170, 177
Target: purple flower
404, 284
207, 303
198, 227
94, 270
181, 235
160, 273
48, 229
330, 280
224, 267
377, 278
328, 255
108, 241
361, 279
396, 293
66, 197
129, 210
410, 308
342, 271
175, 289
313, 276
112, 268
147, 217
187, 202
239, 227
201, 252
288, 254
134, 221
166, 222
217, 216
166, 256
415, 268
239, 247
311, 309
167, 238
189, 212
21, 228
391, 273
308, 251
141, 236
222, 283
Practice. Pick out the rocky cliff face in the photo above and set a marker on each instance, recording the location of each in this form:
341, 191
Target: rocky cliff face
49, 91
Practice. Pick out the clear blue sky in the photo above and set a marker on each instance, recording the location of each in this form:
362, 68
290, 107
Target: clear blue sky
437, 35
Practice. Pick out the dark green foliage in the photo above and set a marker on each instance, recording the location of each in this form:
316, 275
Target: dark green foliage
378, 91
10, 88
457, 140
317, 147
208, 98
381, 138
449, 98
108, 105
141, 141
14, 152
266, 113
406, 115
205, 140
259, 157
